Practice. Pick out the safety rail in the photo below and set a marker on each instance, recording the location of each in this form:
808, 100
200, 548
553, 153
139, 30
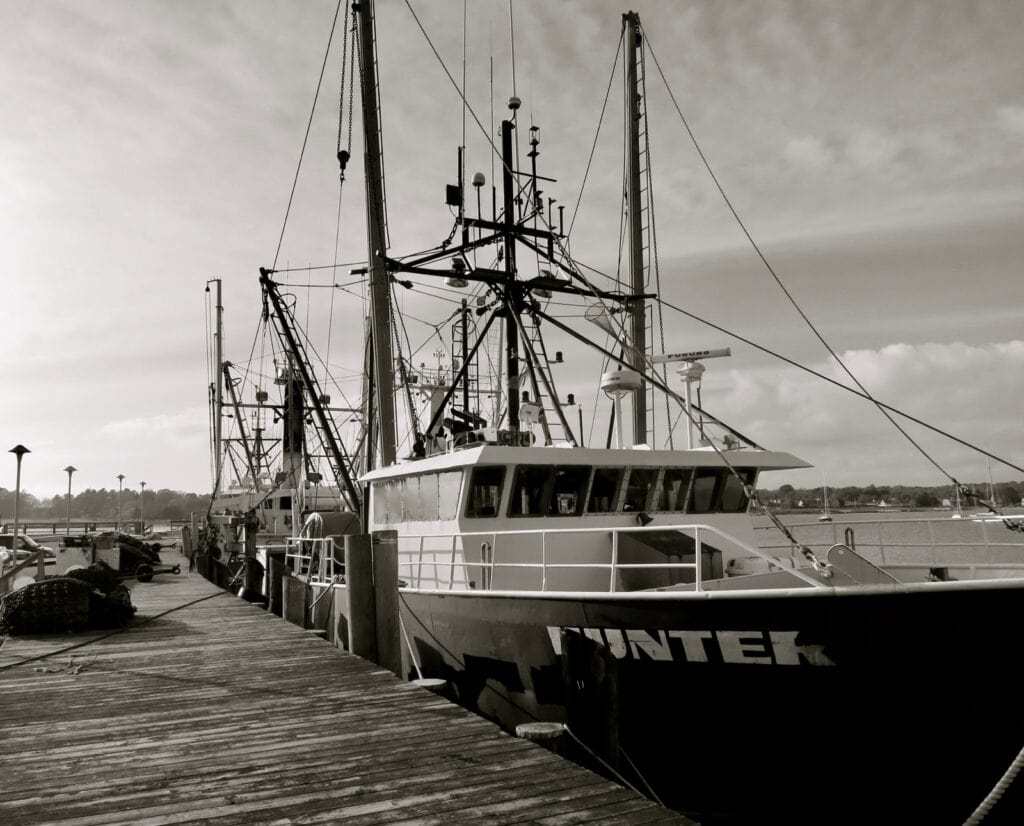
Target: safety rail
912, 543
417, 552
303, 553
7, 575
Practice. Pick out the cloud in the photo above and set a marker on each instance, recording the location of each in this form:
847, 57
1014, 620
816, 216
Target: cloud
182, 424
970, 391
809, 152
873, 149
1011, 118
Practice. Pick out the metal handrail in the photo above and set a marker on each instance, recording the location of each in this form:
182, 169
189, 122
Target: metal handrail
413, 559
7, 577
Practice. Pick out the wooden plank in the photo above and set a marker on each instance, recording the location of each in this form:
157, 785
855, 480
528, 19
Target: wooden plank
209, 709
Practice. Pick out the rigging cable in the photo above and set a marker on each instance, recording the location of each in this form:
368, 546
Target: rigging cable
342, 155
707, 165
305, 139
597, 133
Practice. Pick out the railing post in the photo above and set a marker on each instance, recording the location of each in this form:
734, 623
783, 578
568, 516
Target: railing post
419, 565
451, 564
698, 557
615, 559
544, 560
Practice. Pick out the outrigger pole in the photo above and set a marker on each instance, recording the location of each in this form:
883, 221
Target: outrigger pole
332, 442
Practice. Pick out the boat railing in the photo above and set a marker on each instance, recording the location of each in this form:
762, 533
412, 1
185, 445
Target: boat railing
974, 547
307, 556
439, 562
7, 574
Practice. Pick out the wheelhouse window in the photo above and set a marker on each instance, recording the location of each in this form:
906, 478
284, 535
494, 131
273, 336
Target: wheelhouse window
707, 483
485, 488
604, 490
675, 483
639, 486
548, 491
734, 500
568, 487
530, 491
425, 498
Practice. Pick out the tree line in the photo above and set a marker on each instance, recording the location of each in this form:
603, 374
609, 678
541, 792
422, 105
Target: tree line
102, 505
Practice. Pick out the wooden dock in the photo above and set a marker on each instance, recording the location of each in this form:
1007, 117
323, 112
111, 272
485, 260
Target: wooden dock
211, 710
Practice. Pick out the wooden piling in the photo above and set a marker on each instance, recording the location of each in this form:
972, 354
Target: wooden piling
277, 570
362, 623
385, 590
295, 600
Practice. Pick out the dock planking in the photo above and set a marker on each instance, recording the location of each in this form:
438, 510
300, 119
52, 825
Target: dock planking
208, 709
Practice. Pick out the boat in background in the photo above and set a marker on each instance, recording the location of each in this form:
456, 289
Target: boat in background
825, 515
589, 586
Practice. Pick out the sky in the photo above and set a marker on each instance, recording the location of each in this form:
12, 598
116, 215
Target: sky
874, 150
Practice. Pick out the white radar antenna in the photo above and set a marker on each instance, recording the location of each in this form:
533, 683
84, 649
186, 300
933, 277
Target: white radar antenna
690, 371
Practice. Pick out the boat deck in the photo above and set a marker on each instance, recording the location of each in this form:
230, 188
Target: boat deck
209, 709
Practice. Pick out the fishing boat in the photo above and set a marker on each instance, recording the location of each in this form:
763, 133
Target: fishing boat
547, 581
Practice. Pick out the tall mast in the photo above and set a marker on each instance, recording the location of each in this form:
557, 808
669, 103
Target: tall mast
380, 286
218, 389
638, 321
512, 306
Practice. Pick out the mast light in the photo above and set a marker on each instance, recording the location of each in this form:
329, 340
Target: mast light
455, 279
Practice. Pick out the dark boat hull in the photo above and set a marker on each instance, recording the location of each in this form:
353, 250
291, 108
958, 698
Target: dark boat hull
809, 705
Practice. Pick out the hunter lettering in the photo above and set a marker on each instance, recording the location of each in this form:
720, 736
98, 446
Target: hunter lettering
692, 646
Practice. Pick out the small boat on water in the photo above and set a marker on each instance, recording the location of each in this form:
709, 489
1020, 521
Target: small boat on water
826, 516
545, 580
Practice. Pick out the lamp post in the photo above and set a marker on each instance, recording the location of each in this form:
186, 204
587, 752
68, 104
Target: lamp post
19, 451
67, 520
120, 487
142, 508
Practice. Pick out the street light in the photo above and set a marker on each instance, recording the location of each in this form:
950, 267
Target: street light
120, 486
67, 522
19, 451
142, 508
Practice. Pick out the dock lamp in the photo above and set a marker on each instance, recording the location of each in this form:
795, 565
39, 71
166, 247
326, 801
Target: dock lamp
120, 487
19, 451
67, 519
142, 508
